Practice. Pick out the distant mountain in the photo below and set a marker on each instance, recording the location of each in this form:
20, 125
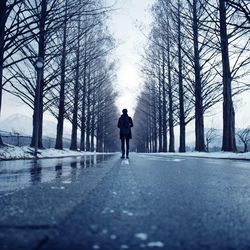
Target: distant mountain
23, 124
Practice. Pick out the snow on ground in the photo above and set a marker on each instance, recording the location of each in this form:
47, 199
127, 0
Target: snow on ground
13, 152
218, 155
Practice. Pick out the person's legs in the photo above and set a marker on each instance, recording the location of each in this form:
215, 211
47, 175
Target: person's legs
127, 146
123, 146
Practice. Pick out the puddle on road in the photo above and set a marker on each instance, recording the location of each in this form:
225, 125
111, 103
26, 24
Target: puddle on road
24, 173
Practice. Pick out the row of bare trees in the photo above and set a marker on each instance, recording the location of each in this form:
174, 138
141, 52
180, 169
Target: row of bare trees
197, 56
74, 42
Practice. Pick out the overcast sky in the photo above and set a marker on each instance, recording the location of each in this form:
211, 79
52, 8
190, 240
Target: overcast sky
130, 14
123, 25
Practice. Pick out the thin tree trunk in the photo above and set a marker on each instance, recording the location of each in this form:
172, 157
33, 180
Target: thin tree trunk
182, 146
164, 109
154, 124
199, 120
245, 147
41, 54
170, 99
146, 134
171, 122
73, 145
88, 116
92, 147
83, 118
228, 140
60, 119
2, 43
98, 128
160, 115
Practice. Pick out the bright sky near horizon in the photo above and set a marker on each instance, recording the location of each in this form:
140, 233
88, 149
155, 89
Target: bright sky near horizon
129, 14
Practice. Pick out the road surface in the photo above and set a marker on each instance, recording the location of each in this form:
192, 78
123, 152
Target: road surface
146, 202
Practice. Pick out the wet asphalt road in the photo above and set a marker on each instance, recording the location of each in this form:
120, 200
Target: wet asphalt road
146, 202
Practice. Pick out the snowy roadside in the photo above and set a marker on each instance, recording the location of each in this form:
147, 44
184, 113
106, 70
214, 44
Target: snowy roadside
15, 153
217, 155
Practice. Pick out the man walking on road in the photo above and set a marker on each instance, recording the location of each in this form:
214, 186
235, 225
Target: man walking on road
125, 124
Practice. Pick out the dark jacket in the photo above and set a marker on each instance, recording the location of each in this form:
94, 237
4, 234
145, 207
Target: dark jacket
125, 124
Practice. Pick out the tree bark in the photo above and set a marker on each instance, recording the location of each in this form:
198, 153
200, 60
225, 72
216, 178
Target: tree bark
1, 87
73, 145
164, 109
88, 115
41, 54
92, 146
98, 128
3, 18
83, 116
228, 140
154, 122
199, 119
60, 120
160, 115
170, 99
245, 147
182, 146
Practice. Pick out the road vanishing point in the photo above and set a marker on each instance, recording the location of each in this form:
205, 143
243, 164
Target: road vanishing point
146, 202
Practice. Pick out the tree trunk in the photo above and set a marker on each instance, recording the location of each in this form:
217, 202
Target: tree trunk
160, 115
40, 131
92, 146
164, 109
98, 128
170, 100
73, 145
245, 147
155, 124
41, 54
2, 43
60, 119
182, 146
147, 135
88, 117
199, 119
228, 140
1, 92
83, 118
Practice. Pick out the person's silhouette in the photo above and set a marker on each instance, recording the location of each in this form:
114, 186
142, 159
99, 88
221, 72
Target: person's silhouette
125, 124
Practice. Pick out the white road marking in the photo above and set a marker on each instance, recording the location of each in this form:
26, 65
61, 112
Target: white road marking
153, 158
141, 236
125, 162
113, 237
127, 213
155, 244
124, 247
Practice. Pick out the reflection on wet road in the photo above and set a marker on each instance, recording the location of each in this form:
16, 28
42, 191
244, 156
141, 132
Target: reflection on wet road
21, 174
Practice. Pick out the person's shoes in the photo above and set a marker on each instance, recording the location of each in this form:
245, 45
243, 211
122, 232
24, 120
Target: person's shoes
127, 157
122, 157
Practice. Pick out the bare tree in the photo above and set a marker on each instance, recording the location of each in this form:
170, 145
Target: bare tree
243, 7
210, 135
16, 28
244, 136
